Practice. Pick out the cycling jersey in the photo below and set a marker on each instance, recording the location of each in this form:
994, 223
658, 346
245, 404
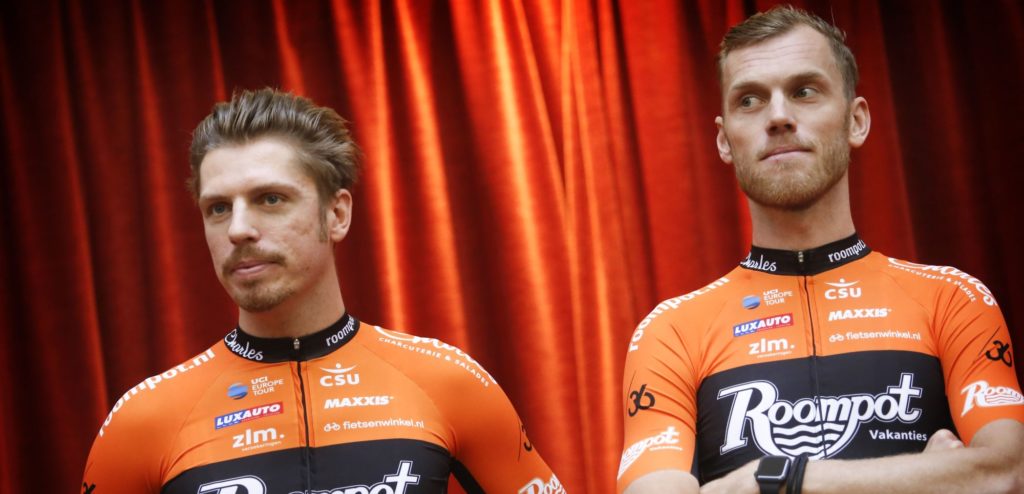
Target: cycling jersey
351, 409
834, 352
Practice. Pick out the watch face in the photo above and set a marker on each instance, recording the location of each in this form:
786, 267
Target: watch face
772, 468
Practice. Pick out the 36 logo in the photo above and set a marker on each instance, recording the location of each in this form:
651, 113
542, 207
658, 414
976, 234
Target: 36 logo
238, 485
638, 398
1000, 353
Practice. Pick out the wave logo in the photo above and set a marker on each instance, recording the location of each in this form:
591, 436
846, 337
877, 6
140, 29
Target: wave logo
780, 427
981, 394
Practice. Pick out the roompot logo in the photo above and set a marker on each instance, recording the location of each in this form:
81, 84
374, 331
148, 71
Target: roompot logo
780, 427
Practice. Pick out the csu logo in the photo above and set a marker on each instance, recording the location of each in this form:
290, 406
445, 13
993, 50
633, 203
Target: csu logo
842, 290
339, 377
238, 485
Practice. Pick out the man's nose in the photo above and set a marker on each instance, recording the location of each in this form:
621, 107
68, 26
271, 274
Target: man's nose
780, 116
243, 227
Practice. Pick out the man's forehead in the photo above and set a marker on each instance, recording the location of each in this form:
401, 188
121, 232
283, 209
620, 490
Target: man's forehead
799, 50
250, 164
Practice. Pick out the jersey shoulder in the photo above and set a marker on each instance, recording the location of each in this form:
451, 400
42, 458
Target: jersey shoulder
930, 281
430, 362
690, 311
165, 397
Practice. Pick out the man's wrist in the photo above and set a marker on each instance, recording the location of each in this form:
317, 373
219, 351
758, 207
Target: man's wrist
772, 473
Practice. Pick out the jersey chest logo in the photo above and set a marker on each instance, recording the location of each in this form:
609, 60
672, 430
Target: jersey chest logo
781, 427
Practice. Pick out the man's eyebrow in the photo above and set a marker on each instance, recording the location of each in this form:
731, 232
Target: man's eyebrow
752, 84
257, 190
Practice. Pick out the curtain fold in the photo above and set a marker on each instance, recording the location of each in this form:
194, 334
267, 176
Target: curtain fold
538, 175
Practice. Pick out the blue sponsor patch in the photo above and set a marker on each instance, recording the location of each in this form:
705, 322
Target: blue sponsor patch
751, 302
238, 391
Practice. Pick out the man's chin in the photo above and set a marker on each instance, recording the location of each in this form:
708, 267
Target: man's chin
257, 301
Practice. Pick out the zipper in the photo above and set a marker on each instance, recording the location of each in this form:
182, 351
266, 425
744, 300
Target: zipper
815, 378
307, 450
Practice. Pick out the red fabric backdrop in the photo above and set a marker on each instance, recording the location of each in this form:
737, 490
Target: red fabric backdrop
539, 174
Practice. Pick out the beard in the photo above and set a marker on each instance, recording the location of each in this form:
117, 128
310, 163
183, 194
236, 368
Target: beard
256, 295
255, 298
793, 186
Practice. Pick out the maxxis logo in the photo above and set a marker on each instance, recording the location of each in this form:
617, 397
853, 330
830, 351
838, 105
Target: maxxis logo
784, 428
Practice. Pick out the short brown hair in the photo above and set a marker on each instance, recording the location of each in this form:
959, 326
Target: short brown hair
780, 20
317, 134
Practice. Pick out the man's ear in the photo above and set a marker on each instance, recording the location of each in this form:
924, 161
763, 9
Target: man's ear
339, 215
860, 122
724, 149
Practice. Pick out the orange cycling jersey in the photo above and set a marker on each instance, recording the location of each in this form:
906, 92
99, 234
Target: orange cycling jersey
834, 352
351, 409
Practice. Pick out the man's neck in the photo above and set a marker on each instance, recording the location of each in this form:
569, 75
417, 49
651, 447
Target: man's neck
827, 220
298, 316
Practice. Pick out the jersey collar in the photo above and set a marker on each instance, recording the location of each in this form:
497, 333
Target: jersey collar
268, 350
806, 262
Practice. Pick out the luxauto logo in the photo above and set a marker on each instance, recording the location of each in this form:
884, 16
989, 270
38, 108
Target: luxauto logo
763, 324
235, 418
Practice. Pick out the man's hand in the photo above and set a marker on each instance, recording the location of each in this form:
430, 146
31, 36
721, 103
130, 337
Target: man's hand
738, 481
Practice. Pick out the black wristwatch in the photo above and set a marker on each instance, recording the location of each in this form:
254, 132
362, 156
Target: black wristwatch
772, 472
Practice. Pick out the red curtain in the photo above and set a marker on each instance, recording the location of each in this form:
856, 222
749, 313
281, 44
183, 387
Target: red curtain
539, 174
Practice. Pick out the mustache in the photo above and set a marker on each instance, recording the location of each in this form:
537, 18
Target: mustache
250, 253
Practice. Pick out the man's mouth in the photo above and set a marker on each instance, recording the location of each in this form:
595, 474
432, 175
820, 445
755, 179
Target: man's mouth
782, 151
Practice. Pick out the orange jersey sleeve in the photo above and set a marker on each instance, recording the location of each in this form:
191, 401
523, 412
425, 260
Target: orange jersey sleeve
659, 394
975, 351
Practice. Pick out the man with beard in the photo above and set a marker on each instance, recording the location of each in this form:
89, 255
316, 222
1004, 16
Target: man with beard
817, 365
302, 397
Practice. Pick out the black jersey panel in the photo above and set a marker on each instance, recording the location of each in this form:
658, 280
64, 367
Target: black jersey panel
854, 405
398, 466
